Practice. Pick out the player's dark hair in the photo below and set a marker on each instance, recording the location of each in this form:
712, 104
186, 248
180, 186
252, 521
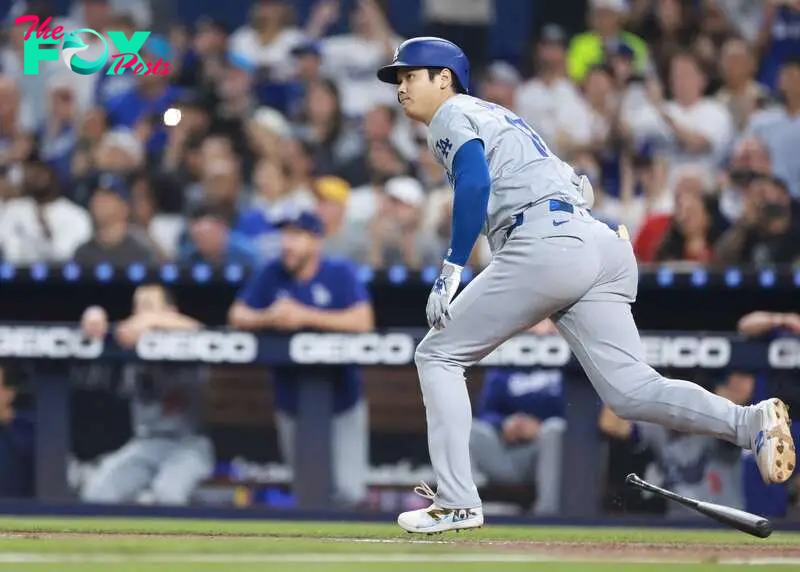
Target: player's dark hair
457, 87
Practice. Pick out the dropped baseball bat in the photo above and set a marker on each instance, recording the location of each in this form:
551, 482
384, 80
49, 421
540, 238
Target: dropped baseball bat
739, 519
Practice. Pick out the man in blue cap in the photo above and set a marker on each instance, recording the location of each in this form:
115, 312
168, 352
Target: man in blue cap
305, 290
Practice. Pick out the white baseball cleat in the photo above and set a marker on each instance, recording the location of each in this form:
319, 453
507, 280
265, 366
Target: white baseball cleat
771, 441
436, 519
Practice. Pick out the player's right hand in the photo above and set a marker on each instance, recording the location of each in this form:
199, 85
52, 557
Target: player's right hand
444, 288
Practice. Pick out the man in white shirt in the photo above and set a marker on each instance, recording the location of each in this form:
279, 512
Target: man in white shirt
42, 226
269, 38
549, 102
693, 129
351, 59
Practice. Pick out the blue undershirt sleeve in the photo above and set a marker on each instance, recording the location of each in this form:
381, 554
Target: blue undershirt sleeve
472, 183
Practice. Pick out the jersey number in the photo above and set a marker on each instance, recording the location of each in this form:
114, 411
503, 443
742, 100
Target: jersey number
520, 124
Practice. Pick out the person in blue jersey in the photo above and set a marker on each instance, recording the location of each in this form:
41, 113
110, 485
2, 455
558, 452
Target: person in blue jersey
518, 434
779, 39
305, 290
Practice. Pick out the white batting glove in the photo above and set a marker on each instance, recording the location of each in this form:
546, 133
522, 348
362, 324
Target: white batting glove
445, 287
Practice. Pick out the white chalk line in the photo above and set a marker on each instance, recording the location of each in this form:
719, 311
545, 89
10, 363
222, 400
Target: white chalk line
33, 558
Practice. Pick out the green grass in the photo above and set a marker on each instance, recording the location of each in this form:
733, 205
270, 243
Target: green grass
311, 530
148, 545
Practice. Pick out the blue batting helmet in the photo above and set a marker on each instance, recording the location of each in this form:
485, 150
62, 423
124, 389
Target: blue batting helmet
427, 52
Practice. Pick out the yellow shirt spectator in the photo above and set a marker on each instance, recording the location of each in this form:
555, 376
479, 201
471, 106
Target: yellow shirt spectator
587, 49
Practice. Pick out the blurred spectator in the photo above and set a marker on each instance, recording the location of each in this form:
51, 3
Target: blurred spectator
33, 109
203, 58
167, 456
162, 228
271, 191
744, 15
335, 142
750, 159
397, 235
142, 107
693, 230
549, 100
778, 39
269, 37
185, 137
42, 225
212, 242
606, 33
17, 436
384, 162
697, 466
119, 152
109, 86
236, 103
341, 239
222, 189
58, 136
267, 132
296, 155
695, 130
381, 125
306, 290
779, 127
740, 92
115, 241
351, 59
83, 169
518, 432
83, 11
768, 233
288, 95
16, 126
499, 84
468, 24
670, 26
690, 182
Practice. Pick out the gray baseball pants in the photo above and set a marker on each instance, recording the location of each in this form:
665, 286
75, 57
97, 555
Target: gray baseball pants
170, 468
575, 269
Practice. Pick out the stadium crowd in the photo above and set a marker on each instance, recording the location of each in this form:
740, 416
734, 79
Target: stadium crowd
683, 113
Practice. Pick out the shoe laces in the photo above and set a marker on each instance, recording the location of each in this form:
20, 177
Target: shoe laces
425, 491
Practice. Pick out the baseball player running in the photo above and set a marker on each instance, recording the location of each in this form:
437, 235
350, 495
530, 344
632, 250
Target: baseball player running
550, 257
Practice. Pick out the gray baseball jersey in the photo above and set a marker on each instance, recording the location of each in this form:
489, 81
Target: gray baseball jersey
522, 168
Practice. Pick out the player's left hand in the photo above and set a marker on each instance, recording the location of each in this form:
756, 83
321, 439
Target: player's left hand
442, 294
